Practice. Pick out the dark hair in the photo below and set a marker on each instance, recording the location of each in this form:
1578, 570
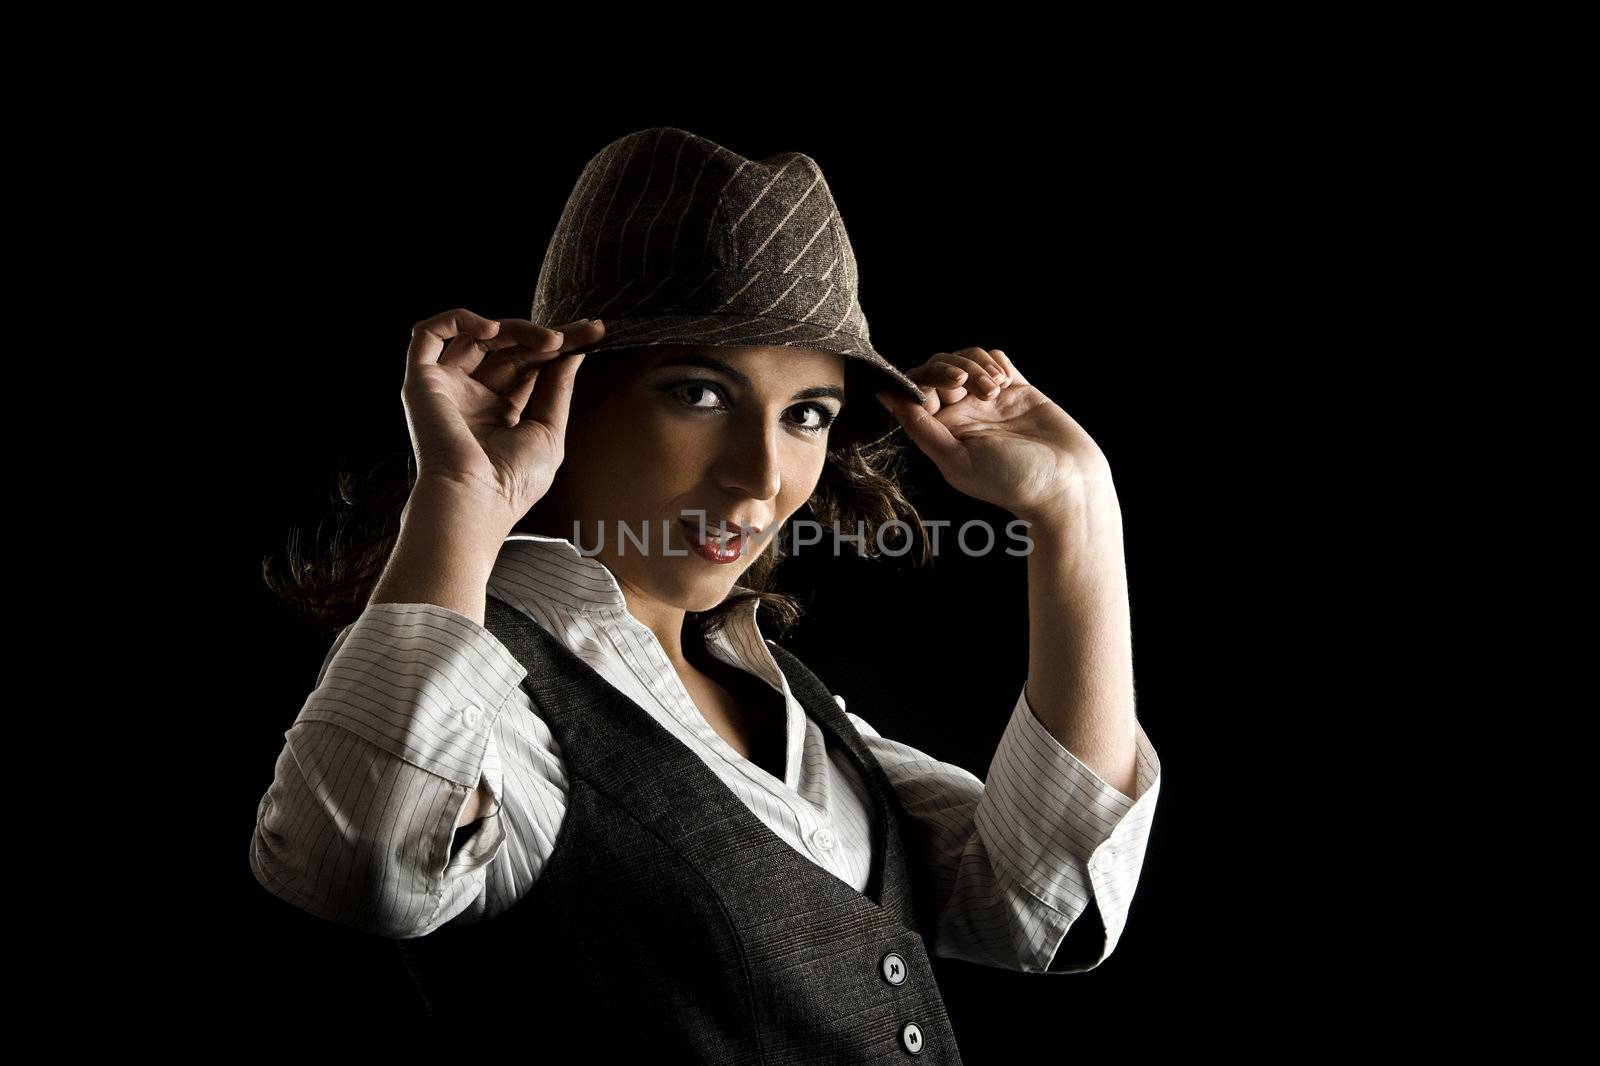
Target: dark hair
326, 583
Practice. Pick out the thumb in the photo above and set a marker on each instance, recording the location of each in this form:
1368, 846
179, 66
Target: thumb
928, 433
552, 393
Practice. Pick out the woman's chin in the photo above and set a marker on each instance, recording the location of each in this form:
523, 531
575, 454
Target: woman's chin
709, 595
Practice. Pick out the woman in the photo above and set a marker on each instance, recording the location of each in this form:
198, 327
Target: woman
555, 758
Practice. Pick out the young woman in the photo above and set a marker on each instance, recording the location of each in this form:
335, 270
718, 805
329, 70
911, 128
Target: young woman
554, 756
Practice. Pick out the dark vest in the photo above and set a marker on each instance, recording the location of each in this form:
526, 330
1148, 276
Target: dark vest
671, 923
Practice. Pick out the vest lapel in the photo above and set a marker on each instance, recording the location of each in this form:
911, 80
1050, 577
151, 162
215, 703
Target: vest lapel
639, 764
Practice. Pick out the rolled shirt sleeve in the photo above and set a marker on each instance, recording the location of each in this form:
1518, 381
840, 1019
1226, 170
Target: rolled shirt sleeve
359, 823
1064, 836
1015, 861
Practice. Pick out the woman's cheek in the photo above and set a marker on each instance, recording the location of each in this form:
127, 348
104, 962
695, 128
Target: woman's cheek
658, 428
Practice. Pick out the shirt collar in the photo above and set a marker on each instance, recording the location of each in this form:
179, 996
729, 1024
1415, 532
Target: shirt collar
534, 572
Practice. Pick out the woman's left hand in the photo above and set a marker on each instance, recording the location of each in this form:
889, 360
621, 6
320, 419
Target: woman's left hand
997, 438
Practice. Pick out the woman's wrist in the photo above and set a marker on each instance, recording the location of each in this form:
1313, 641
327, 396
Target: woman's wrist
449, 540
474, 504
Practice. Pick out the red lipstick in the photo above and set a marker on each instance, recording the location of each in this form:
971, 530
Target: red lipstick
714, 549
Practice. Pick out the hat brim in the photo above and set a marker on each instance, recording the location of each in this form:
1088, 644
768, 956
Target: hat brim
863, 421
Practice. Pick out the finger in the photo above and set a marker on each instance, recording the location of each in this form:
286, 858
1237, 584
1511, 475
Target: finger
517, 390
926, 431
552, 394
944, 382
428, 337
507, 370
469, 354
942, 373
466, 353
530, 334
1011, 368
519, 376
986, 358
982, 381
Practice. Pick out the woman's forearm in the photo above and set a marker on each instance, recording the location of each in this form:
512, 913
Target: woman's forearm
1080, 645
445, 552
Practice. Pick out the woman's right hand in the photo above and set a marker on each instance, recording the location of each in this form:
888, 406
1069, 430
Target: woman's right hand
486, 402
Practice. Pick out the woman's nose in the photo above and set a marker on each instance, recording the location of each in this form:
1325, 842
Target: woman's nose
749, 463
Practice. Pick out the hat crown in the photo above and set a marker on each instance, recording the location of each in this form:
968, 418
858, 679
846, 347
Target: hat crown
663, 222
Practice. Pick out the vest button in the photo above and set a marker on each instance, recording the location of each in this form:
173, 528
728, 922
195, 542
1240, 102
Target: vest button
911, 1037
823, 838
894, 969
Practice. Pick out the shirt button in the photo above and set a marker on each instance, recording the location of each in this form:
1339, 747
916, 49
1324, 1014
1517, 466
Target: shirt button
1105, 859
471, 717
894, 969
911, 1036
823, 838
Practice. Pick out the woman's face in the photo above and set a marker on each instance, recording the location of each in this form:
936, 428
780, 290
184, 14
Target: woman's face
666, 433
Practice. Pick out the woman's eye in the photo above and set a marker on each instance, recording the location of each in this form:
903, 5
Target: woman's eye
815, 417
707, 396
695, 394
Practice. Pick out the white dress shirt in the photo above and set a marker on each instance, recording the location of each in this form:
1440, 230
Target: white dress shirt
417, 704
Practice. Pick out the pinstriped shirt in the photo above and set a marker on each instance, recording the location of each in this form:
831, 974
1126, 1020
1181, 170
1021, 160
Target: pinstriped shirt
416, 705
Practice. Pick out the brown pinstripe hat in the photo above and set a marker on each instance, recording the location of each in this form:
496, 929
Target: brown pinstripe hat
670, 238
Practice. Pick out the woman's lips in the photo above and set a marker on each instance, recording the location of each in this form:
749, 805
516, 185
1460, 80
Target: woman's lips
712, 549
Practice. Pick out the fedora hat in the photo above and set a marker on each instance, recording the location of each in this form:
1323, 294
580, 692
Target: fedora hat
670, 238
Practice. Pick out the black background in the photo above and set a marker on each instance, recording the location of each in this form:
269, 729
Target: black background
1123, 266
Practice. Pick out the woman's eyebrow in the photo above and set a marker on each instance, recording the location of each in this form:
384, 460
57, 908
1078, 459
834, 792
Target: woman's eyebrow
712, 363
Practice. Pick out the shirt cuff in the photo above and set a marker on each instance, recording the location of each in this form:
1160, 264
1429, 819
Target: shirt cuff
422, 682
1062, 832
